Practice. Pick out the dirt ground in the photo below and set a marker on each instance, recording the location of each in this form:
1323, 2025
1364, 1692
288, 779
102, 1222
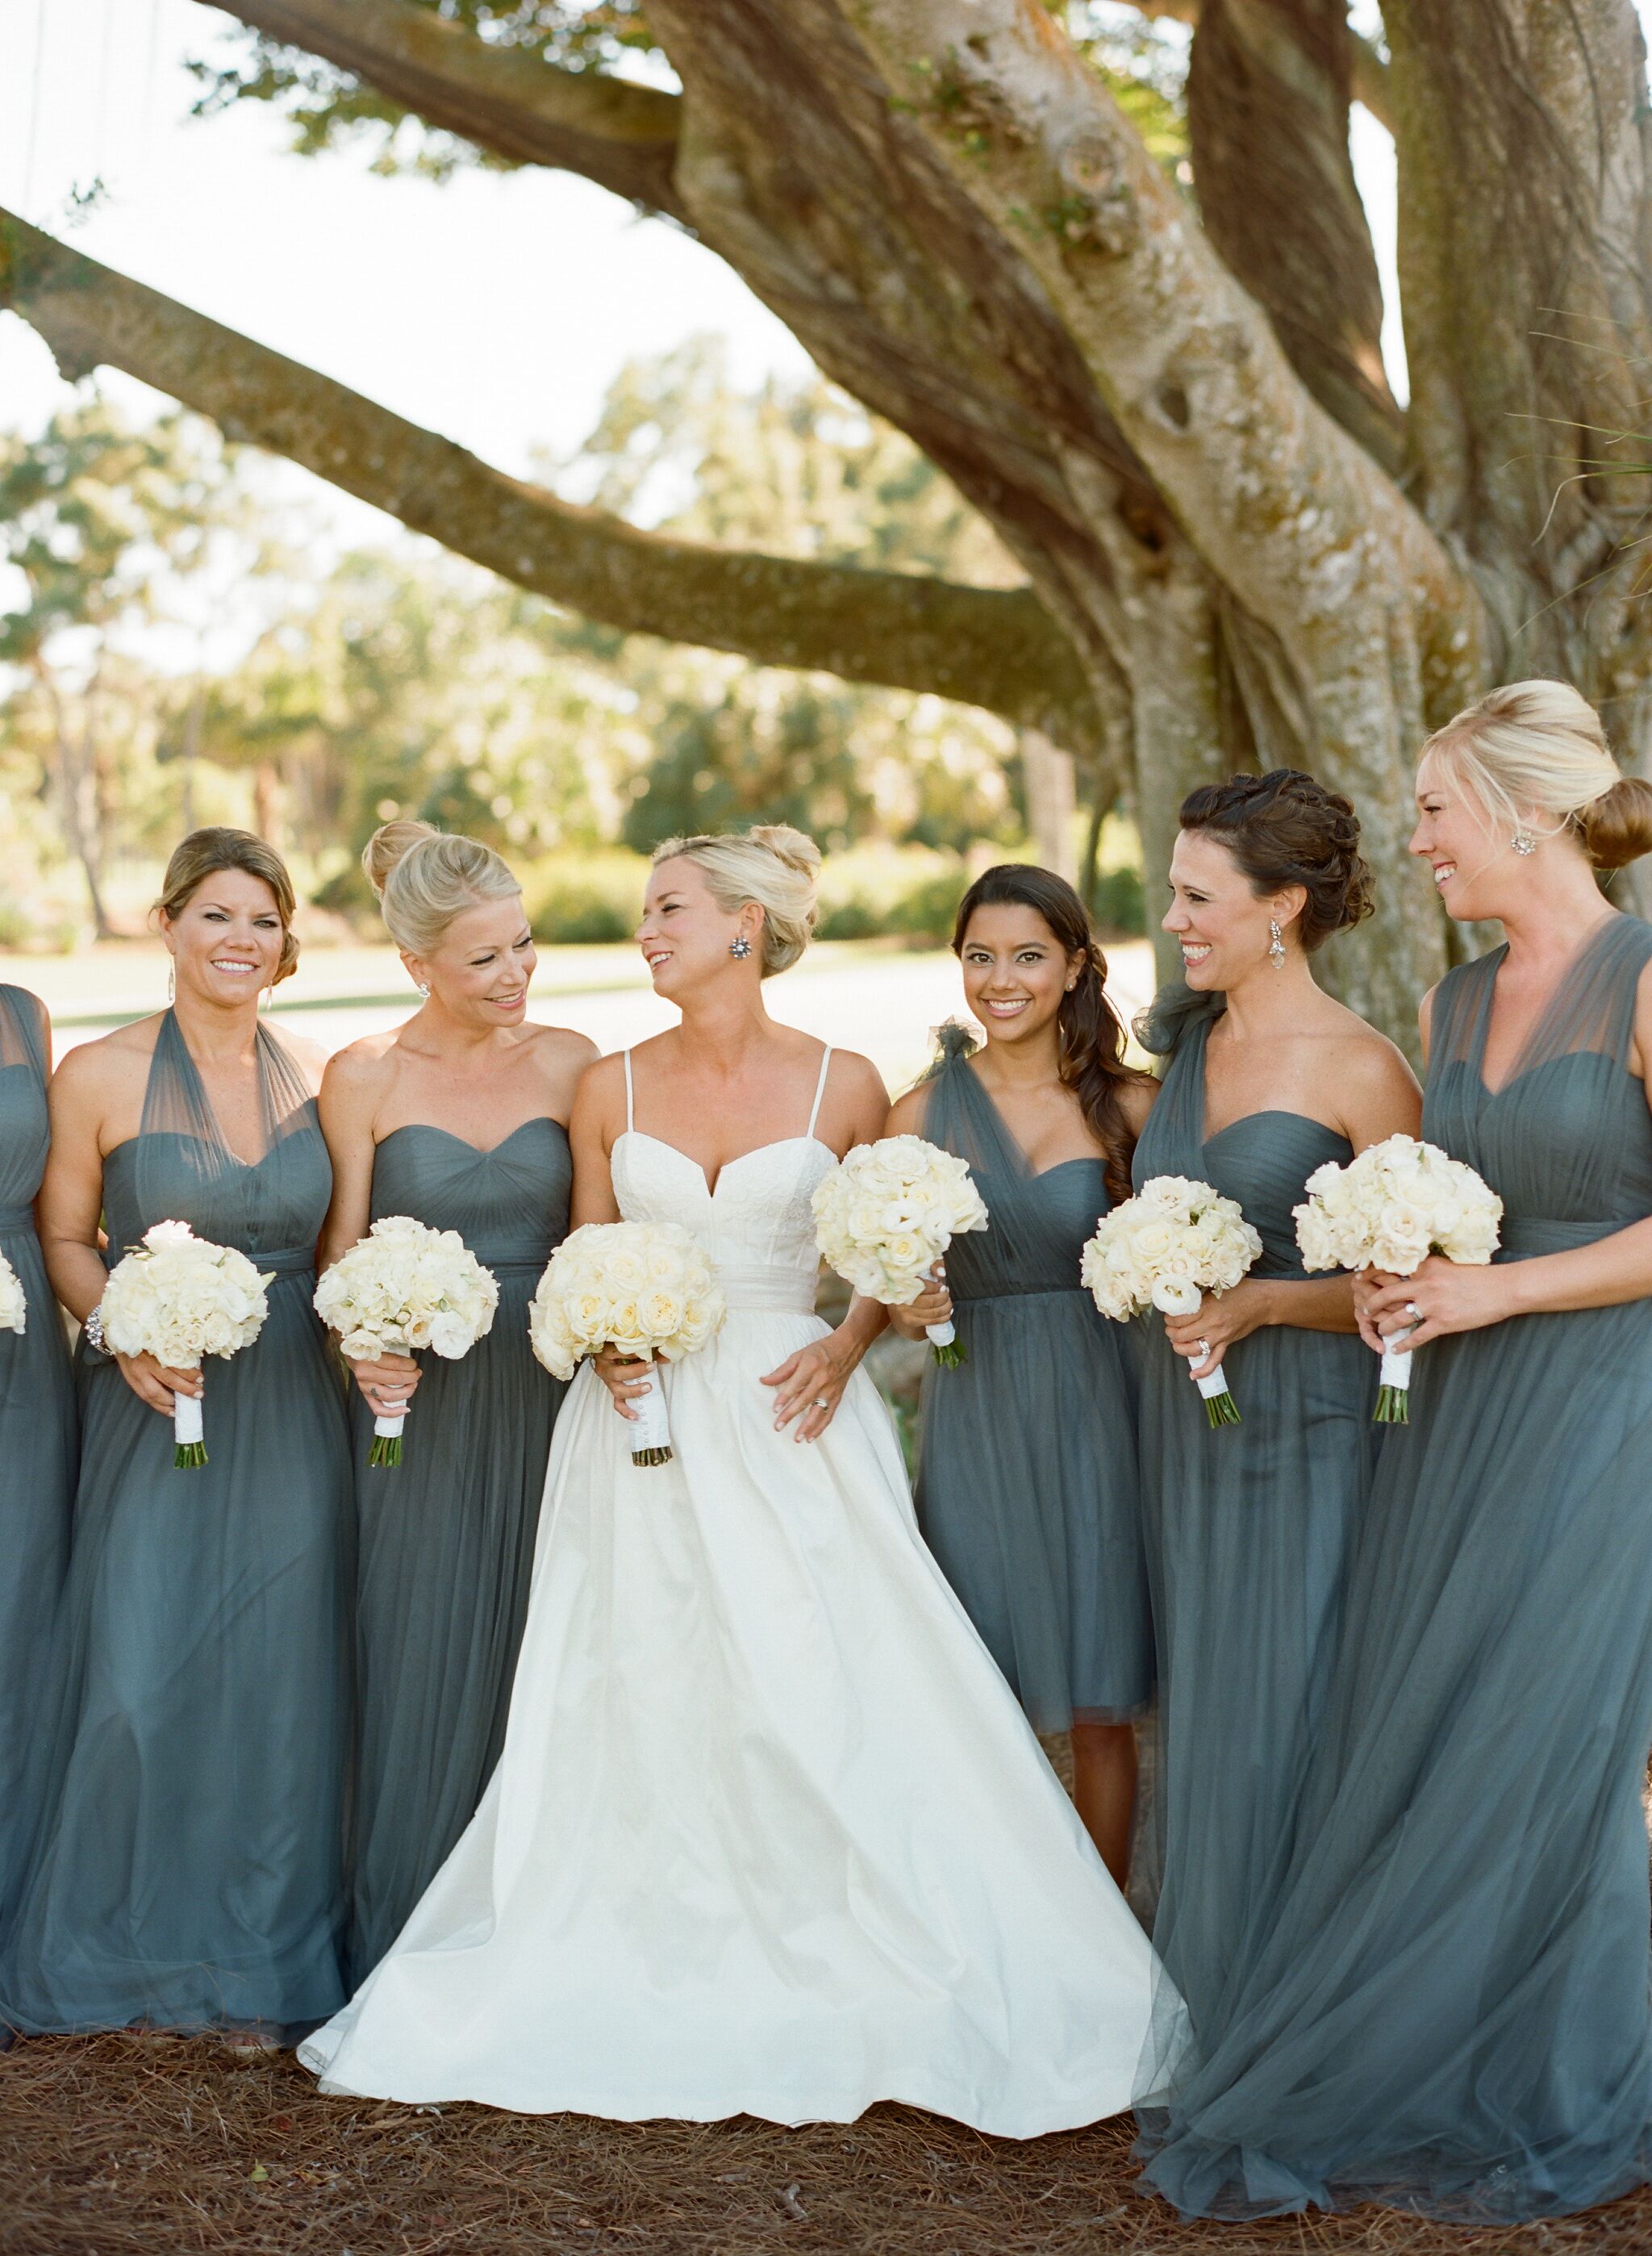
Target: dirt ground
109, 2146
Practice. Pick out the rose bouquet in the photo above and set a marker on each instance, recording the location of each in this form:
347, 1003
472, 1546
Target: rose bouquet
405, 1286
887, 1213
1165, 1249
644, 1288
178, 1297
13, 1308
1390, 1207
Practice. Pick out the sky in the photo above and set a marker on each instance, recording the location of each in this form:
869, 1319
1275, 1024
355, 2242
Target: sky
495, 309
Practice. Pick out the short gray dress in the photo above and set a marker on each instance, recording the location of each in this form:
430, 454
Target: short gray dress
448, 1536
1026, 1484
186, 1869
1449, 2008
38, 1443
1248, 1528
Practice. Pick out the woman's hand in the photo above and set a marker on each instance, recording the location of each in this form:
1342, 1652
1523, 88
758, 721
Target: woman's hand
1222, 1318
387, 1383
1444, 1296
625, 1378
153, 1382
810, 1383
932, 1306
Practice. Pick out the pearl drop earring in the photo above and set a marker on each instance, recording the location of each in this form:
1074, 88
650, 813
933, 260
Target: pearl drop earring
1275, 944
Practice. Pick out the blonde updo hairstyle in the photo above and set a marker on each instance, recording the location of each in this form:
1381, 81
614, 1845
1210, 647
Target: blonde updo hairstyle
1539, 745
424, 878
772, 865
203, 853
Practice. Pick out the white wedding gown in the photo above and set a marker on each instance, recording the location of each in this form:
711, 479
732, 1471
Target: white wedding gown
769, 1835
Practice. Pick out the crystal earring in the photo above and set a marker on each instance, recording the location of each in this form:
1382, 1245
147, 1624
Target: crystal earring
739, 946
1275, 944
172, 984
423, 989
1523, 843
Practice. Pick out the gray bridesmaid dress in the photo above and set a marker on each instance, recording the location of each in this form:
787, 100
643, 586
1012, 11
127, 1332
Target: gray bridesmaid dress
447, 1537
186, 1870
1027, 1481
1247, 1532
1448, 2009
38, 1443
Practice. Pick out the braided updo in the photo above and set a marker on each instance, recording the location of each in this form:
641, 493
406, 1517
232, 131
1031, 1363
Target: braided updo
1285, 829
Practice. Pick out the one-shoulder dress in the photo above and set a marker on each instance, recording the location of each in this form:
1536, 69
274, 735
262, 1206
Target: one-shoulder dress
187, 1867
448, 1536
1451, 2010
1027, 1491
38, 1439
1247, 1533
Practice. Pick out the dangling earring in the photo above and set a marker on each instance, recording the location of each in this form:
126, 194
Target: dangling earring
172, 983
1275, 944
739, 946
1523, 843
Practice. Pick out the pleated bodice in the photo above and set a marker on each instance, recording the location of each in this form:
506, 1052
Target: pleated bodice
509, 1203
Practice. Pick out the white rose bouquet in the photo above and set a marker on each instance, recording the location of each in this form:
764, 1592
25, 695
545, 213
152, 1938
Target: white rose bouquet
887, 1213
178, 1297
13, 1307
644, 1288
1165, 1249
1390, 1207
405, 1286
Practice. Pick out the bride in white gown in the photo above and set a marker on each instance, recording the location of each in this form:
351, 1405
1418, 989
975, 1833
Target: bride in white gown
769, 1835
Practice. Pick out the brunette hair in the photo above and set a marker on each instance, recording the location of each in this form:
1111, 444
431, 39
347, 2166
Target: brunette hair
203, 853
424, 878
1091, 1031
771, 864
1285, 829
1539, 744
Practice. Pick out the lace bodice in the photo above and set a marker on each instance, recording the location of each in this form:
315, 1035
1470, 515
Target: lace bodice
757, 1218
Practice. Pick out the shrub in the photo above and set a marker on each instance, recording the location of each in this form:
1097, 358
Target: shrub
574, 898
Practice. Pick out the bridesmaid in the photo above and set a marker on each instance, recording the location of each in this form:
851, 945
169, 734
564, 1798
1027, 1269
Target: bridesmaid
1027, 1486
1451, 2009
36, 1415
186, 1872
1265, 1079
460, 1120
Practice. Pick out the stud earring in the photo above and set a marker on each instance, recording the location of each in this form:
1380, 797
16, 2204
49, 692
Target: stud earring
424, 991
1523, 843
1275, 944
739, 946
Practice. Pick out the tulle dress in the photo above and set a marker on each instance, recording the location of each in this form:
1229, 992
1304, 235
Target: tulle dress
1248, 1534
1450, 2009
448, 1536
187, 1867
38, 1443
1027, 1489
769, 1835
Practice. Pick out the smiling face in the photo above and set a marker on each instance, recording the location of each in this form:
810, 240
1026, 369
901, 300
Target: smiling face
1475, 866
1015, 971
226, 941
1221, 922
685, 935
480, 969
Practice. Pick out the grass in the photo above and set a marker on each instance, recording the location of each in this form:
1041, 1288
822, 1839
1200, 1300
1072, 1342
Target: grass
111, 2146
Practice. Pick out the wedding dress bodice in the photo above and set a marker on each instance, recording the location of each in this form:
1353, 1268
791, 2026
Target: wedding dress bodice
757, 1223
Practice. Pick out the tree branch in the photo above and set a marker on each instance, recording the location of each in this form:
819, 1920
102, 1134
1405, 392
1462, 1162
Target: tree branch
506, 100
998, 648
1370, 72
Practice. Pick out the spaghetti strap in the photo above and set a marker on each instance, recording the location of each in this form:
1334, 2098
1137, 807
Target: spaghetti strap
820, 1090
630, 1116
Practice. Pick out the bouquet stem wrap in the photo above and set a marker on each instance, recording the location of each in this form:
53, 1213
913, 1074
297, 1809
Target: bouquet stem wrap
1394, 1384
189, 1432
652, 1434
1221, 1409
943, 1338
387, 1440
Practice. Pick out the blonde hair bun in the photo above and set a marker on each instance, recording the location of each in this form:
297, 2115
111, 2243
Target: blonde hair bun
389, 845
772, 865
424, 878
1539, 747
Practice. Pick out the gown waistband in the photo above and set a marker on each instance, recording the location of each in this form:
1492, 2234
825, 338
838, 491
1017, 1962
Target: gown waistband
773, 1290
17, 1218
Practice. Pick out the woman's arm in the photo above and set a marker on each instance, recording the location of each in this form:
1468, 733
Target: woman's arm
594, 1126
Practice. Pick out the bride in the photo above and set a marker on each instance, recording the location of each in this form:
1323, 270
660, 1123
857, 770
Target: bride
769, 1835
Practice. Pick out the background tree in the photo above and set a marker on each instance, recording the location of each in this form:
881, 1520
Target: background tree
1236, 545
